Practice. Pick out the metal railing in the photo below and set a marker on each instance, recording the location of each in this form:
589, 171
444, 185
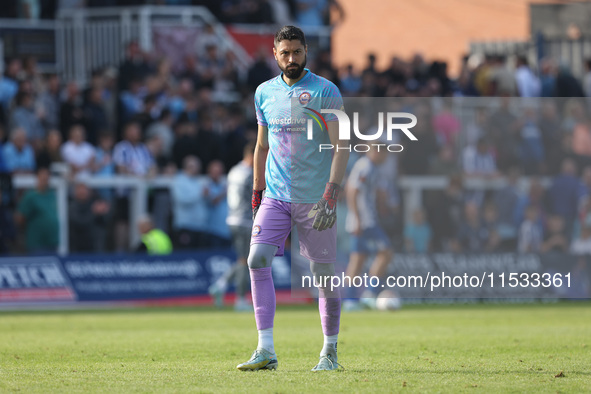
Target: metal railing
568, 52
412, 187
87, 39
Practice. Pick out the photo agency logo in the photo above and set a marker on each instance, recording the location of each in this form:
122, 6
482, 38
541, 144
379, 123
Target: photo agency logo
388, 123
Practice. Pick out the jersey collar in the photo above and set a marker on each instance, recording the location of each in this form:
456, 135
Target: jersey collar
285, 85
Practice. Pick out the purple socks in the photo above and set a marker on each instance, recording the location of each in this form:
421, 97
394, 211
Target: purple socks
263, 297
330, 312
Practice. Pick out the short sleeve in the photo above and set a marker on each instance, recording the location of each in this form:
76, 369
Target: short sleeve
258, 101
118, 157
331, 99
359, 174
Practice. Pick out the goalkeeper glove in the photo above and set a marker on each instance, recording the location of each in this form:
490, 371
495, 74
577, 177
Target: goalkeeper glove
325, 210
257, 198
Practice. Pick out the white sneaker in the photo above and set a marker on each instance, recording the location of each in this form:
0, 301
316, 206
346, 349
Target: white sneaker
352, 306
368, 299
217, 292
241, 305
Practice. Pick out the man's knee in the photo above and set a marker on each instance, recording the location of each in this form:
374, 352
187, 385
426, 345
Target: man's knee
322, 269
261, 256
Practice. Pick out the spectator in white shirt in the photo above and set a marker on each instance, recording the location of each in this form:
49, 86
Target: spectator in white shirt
531, 232
78, 153
478, 160
528, 84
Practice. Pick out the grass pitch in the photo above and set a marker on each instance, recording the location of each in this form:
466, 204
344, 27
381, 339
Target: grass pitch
475, 348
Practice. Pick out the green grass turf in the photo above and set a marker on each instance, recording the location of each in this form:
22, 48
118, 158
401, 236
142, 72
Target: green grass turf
474, 348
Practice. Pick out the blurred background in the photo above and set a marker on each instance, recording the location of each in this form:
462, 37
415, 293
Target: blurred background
110, 109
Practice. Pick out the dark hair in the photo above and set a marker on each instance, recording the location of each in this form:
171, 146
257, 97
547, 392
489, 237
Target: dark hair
290, 33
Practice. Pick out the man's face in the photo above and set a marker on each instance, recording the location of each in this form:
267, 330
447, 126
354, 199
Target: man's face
43, 179
291, 57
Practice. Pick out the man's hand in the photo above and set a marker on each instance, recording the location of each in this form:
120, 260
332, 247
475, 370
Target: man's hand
257, 198
324, 211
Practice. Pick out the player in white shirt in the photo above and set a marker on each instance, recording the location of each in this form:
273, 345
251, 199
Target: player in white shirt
366, 197
240, 222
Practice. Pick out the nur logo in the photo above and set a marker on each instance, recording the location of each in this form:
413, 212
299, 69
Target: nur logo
345, 129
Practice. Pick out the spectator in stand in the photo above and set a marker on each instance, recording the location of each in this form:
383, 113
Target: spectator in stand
350, 81
134, 66
446, 125
78, 153
581, 134
154, 146
528, 84
582, 244
177, 103
444, 210
29, 9
536, 196
19, 157
445, 163
210, 66
190, 219
146, 116
163, 130
501, 79
154, 241
555, 239
563, 194
503, 128
37, 212
566, 84
87, 221
507, 200
7, 228
490, 224
51, 151
473, 237
131, 157
478, 161
49, 103
216, 188
416, 157
532, 147
547, 77
531, 231
476, 127
103, 165
31, 73
549, 125
587, 78
417, 234
23, 116
260, 71
9, 82
131, 100
95, 116
71, 111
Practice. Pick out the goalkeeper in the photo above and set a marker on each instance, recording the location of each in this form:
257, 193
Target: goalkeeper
301, 186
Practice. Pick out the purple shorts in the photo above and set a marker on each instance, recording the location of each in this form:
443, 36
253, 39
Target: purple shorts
276, 218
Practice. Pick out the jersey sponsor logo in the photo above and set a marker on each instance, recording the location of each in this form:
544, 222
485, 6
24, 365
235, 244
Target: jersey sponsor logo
304, 98
256, 230
286, 121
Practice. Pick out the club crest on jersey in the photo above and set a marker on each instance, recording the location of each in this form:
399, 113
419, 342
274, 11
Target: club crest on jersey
305, 98
256, 230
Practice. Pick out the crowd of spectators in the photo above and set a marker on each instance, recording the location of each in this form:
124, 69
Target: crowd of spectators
309, 13
141, 118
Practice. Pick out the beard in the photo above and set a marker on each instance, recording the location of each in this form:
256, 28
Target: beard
295, 72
